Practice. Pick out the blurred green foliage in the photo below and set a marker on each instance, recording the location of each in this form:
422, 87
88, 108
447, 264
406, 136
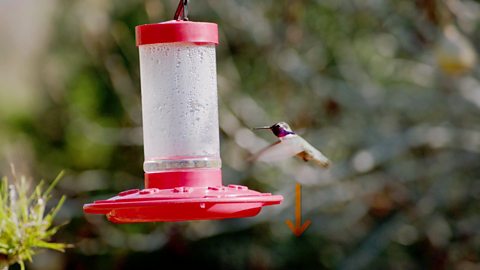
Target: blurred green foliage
358, 79
26, 225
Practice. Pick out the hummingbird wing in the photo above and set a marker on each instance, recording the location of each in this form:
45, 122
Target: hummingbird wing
311, 153
278, 151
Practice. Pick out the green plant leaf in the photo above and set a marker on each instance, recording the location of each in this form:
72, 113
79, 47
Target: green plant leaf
25, 223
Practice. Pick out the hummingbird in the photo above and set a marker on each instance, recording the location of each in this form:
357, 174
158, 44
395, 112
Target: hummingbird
288, 145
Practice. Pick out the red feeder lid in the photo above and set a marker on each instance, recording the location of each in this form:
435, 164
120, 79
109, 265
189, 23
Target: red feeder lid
177, 31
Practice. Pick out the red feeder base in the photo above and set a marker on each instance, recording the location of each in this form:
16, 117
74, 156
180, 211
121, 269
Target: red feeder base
191, 199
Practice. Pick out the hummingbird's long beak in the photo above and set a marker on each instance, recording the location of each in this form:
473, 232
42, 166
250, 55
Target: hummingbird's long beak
265, 127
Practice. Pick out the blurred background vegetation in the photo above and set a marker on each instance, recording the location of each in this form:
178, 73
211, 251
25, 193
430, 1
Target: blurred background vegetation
389, 90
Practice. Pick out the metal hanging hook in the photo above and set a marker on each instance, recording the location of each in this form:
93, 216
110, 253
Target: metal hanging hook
182, 11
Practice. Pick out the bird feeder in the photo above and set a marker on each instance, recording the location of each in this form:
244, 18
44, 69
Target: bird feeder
183, 179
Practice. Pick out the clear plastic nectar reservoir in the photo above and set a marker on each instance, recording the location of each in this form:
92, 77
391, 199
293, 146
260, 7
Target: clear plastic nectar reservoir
179, 106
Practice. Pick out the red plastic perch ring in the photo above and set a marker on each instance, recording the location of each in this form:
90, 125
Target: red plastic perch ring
182, 203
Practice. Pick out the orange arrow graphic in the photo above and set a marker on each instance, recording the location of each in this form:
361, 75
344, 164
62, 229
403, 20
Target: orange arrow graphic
298, 229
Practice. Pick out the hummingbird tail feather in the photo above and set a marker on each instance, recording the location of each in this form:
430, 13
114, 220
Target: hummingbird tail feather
324, 163
317, 157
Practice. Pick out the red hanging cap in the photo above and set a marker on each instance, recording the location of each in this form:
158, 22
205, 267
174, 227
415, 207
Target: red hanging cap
177, 31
